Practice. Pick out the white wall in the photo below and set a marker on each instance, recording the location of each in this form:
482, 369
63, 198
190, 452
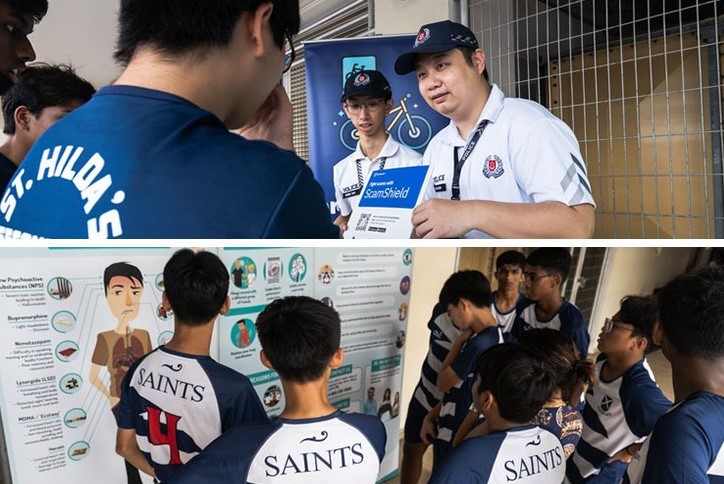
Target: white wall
636, 270
432, 266
406, 16
82, 33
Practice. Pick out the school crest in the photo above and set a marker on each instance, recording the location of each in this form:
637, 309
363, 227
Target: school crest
493, 167
422, 36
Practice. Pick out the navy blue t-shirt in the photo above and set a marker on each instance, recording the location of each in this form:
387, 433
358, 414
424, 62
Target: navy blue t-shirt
140, 163
686, 444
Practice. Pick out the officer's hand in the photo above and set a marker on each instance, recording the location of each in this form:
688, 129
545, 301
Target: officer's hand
439, 219
273, 121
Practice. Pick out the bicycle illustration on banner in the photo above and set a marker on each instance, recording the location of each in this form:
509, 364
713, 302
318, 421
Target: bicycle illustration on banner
413, 130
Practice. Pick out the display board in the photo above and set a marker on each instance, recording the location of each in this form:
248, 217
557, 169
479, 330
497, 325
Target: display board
69, 336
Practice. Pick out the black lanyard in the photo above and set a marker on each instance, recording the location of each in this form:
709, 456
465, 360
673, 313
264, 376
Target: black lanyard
360, 176
458, 163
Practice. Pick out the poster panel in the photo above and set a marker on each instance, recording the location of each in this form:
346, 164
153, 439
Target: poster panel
68, 341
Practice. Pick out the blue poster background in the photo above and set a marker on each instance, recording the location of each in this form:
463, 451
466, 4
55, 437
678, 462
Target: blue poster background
411, 122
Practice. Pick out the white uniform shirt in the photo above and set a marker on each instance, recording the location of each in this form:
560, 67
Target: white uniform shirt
346, 178
525, 155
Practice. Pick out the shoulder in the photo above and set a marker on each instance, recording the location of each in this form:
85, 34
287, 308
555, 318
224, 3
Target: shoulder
222, 375
569, 313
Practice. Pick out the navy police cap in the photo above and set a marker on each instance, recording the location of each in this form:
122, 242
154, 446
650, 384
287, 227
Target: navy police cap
435, 38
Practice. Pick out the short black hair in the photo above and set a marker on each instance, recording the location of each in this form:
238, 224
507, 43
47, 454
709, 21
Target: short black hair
36, 8
520, 382
41, 86
196, 285
299, 336
470, 284
640, 312
691, 311
561, 355
122, 269
556, 260
510, 257
176, 27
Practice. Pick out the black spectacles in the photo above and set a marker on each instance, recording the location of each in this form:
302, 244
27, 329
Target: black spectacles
288, 57
532, 276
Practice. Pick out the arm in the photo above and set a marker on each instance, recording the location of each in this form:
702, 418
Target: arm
447, 378
546, 220
127, 447
428, 431
626, 454
469, 424
98, 383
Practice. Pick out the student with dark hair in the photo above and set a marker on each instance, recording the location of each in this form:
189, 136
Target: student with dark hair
310, 441
503, 167
156, 146
546, 270
622, 408
42, 95
686, 443
509, 267
511, 385
177, 399
426, 394
367, 100
572, 375
18, 18
466, 295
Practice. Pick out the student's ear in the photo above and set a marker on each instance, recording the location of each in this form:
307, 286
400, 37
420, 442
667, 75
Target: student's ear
488, 402
164, 302
264, 360
388, 106
21, 117
337, 358
225, 307
256, 23
557, 279
640, 343
657, 334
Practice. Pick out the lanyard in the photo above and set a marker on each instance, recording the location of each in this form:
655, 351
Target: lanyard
458, 163
360, 176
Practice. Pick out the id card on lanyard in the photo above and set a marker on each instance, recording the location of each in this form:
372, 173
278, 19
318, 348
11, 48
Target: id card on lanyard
458, 163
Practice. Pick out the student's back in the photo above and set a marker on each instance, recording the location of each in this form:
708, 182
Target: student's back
140, 163
527, 454
340, 447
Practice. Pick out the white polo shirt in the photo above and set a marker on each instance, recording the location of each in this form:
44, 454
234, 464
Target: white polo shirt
346, 176
525, 155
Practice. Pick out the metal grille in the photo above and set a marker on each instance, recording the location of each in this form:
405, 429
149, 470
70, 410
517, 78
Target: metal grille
640, 83
350, 21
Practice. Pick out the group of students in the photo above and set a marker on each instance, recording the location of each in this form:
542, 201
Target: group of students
523, 405
196, 80
507, 393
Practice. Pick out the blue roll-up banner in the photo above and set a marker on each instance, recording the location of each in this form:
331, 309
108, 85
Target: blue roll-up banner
412, 122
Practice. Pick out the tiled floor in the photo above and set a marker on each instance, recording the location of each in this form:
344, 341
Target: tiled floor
662, 372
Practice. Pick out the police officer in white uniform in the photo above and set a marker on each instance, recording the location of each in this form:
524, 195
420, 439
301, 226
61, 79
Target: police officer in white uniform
503, 167
367, 99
